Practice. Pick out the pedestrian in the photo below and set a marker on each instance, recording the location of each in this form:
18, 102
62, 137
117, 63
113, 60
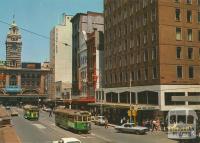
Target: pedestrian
106, 123
50, 113
121, 121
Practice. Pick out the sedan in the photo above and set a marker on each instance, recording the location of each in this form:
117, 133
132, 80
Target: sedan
130, 128
68, 140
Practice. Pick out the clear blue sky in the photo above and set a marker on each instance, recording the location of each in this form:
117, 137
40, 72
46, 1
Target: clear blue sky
39, 16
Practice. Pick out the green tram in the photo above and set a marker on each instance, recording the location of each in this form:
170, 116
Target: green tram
76, 120
31, 112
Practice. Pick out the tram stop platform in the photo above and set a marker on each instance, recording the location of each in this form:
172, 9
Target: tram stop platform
7, 132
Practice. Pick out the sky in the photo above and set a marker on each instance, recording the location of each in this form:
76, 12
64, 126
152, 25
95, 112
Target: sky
38, 16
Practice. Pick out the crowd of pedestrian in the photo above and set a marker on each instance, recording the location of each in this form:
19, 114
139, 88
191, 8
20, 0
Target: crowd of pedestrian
155, 124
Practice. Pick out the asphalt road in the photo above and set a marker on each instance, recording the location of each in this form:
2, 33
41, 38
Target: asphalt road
45, 131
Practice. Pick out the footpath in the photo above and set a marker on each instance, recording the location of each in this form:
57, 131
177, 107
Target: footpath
7, 132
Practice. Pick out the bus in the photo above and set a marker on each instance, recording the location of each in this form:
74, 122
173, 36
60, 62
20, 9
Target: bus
182, 124
31, 112
76, 120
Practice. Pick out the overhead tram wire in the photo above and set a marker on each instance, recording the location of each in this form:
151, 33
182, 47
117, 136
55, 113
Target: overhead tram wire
34, 33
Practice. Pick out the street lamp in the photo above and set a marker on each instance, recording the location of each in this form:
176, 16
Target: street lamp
130, 99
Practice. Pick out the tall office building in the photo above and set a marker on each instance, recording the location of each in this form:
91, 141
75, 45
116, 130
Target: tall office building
82, 24
152, 52
61, 58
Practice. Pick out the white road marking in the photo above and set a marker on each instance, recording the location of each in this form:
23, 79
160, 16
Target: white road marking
39, 126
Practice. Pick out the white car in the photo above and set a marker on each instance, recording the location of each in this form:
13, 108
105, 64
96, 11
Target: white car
130, 128
99, 120
68, 140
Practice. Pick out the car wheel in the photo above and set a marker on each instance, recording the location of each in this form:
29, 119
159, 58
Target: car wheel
137, 132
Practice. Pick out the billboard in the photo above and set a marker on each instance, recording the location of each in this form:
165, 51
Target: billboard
31, 65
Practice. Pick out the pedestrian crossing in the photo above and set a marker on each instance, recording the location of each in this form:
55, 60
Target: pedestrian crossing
39, 126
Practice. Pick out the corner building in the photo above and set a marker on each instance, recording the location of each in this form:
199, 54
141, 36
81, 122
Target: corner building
152, 52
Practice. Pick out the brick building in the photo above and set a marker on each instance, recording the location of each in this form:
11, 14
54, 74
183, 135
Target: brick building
152, 52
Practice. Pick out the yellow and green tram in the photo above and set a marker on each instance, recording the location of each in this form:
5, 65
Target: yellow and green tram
76, 120
31, 112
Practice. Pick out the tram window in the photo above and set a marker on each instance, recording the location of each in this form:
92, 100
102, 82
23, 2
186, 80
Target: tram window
181, 119
79, 118
190, 119
172, 119
89, 118
84, 118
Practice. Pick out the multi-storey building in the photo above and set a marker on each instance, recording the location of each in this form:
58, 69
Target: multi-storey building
152, 52
94, 62
82, 24
61, 58
20, 82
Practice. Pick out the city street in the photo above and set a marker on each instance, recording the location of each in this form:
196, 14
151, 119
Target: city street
45, 131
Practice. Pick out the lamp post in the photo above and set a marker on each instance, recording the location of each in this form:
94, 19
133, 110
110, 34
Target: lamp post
130, 99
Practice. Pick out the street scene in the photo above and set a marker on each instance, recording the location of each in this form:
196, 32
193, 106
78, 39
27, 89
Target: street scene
100, 71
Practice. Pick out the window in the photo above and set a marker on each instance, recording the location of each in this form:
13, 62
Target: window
145, 37
145, 74
179, 71
199, 35
145, 19
178, 52
138, 75
178, 34
153, 14
189, 34
154, 53
189, 16
198, 17
198, 2
176, 1
154, 72
190, 53
145, 55
191, 72
153, 36
189, 1
178, 14
199, 53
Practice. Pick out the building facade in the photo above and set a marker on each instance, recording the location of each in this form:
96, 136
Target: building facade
95, 60
20, 82
82, 23
152, 52
61, 56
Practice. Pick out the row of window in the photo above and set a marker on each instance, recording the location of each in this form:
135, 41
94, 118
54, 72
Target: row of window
188, 1
134, 59
30, 75
189, 17
179, 72
190, 53
135, 76
189, 34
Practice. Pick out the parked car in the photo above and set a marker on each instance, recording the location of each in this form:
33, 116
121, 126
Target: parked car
14, 113
99, 120
68, 140
7, 107
46, 109
130, 128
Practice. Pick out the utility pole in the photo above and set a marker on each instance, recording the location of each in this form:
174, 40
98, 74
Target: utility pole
130, 100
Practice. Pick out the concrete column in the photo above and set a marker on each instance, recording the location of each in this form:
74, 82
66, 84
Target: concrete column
136, 98
7, 79
19, 80
161, 100
118, 95
42, 78
186, 94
